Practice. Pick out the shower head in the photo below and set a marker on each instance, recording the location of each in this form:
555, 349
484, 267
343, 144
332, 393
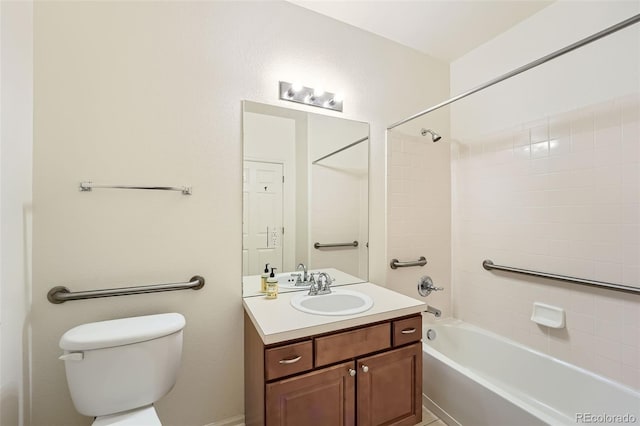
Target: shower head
434, 136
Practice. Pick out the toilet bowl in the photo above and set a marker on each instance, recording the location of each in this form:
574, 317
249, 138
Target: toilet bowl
145, 416
116, 370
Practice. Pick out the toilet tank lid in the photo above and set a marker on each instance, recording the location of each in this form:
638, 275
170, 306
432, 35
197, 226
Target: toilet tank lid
123, 331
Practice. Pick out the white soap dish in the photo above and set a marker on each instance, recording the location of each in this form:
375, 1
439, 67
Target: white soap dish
547, 315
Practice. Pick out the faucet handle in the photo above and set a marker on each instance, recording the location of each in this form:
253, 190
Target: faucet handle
313, 289
298, 278
323, 287
425, 286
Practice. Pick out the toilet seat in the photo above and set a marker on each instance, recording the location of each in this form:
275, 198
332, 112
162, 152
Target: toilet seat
144, 416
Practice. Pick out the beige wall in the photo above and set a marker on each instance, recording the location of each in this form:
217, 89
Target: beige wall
150, 93
16, 134
546, 177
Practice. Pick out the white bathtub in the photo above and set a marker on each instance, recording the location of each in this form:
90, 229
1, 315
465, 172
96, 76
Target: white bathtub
474, 377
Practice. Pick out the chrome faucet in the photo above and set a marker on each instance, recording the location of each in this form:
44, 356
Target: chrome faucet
435, 311
305, 276
322, 285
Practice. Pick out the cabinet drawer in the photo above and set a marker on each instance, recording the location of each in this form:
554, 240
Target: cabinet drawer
289, 359
349, 344
407, 330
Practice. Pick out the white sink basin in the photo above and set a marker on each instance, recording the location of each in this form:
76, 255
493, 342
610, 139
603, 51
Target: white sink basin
338, 302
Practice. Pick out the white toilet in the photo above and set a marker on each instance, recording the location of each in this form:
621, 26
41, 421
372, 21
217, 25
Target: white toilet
117, 369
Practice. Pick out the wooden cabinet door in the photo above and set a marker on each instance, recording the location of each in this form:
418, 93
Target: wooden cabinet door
320, 398
390, 387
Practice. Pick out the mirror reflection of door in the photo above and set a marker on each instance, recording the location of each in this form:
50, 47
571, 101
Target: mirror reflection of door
262, 216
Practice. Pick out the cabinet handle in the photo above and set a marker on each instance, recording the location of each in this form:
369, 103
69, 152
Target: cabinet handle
290, 360
365, 369
408, 331
352, 372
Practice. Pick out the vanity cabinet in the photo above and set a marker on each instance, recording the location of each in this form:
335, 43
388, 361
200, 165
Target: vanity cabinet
322, 397
367, 376
389, 387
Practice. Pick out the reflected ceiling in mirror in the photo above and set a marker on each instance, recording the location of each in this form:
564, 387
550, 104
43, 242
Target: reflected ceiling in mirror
305, 198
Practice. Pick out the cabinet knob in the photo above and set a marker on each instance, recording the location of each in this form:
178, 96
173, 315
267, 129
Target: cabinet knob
352, 372
365, 369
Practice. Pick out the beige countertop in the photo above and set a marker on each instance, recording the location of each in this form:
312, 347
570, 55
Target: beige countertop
277, 321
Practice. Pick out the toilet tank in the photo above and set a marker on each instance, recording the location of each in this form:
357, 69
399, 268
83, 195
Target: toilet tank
122, 364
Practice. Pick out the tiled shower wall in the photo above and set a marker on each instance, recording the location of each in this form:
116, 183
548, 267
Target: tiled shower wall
560, 195
419, 215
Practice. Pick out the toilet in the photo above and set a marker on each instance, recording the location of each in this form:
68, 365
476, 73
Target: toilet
117, 369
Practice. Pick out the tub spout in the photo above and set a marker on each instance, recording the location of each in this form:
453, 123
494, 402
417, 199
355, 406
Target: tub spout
435, 311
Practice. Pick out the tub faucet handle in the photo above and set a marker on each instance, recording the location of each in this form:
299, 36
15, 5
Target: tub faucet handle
425, 286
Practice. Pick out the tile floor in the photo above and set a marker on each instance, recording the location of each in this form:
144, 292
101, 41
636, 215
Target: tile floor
428, 418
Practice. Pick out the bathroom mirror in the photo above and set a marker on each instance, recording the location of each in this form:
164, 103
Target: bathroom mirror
305, 197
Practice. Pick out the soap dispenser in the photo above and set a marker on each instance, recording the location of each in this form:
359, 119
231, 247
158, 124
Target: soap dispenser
272, 285
263, 279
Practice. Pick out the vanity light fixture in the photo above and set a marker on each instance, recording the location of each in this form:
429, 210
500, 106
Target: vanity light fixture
295, 92
293, 89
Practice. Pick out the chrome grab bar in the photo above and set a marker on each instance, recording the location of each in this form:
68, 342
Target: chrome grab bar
489, 265
89, 186
61, 294
395, 263
319, 246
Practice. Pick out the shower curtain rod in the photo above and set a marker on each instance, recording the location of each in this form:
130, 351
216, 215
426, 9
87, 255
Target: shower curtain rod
342, 149
607, 31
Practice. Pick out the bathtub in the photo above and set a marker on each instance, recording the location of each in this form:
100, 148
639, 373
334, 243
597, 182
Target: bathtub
474, 377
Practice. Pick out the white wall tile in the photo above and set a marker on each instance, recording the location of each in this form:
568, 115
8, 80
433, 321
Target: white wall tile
580, 322
419, 219
581, 141
574, 211
631, 356
608, 137
630, 376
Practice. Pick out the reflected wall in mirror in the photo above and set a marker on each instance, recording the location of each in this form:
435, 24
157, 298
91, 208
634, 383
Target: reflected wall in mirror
305, 198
